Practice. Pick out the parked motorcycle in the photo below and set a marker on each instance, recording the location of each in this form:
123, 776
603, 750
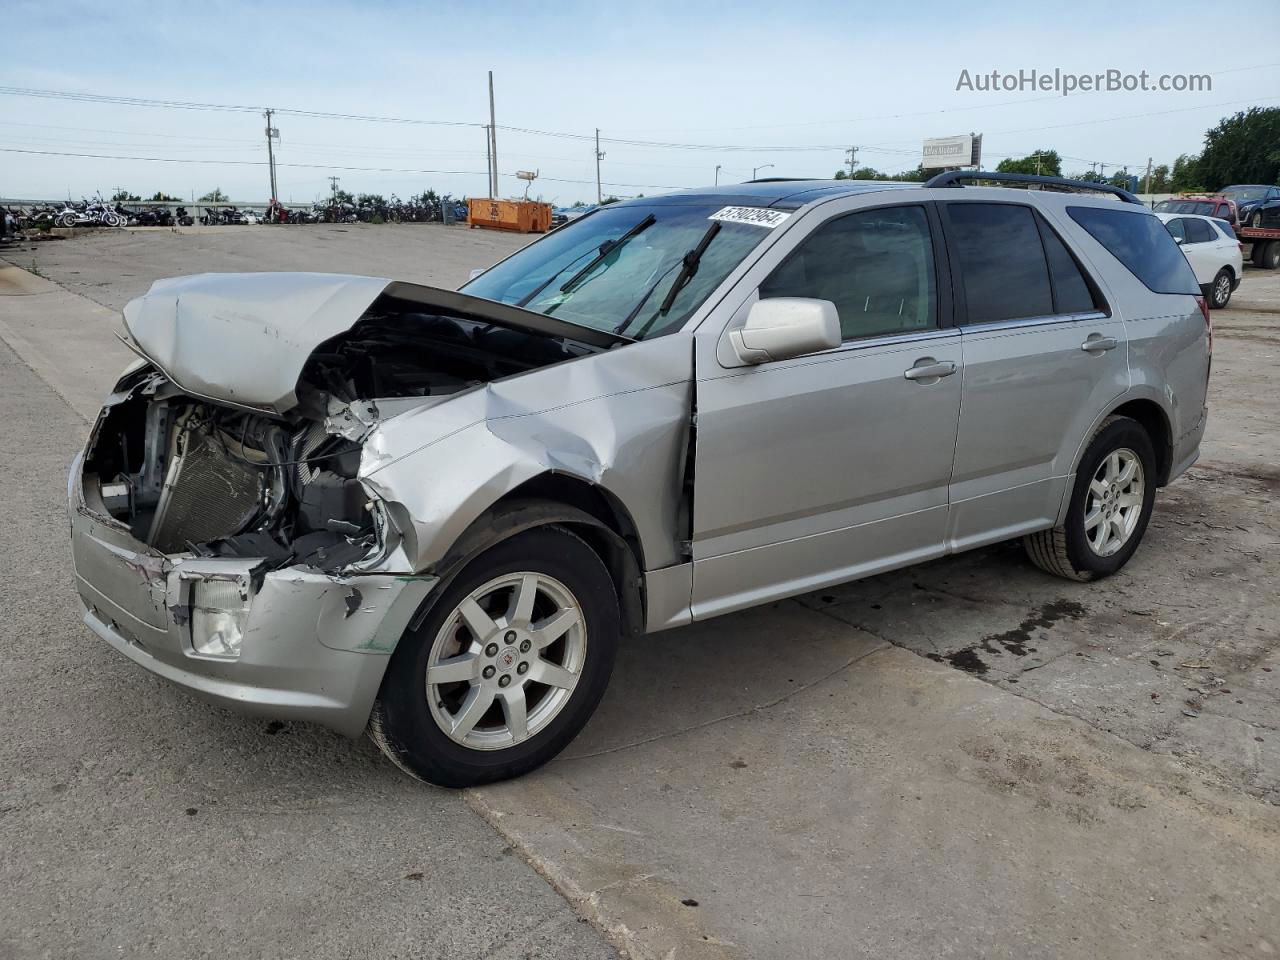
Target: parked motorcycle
86, 214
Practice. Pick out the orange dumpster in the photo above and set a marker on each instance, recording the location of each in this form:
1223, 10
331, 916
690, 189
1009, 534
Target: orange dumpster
519, 216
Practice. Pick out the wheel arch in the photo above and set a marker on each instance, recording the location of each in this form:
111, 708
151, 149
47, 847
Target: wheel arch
1154, 418
553, 498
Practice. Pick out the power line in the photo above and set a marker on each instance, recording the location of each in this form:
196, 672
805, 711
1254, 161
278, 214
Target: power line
323, 166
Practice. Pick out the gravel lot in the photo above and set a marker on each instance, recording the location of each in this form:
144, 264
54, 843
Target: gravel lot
968, 755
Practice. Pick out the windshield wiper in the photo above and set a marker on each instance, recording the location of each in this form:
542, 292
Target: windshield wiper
689, 270
635, 311
547, 282
688, 267
606, 248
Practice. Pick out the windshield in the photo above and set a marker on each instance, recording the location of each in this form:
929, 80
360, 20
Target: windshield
611, 270
1239, 194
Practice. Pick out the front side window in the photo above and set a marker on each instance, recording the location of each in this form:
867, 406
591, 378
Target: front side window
1177, 229
614, 269
1142, 244
1002, 261
876, 266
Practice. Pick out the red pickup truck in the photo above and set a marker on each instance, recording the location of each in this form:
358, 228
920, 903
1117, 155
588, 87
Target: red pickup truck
1219, 207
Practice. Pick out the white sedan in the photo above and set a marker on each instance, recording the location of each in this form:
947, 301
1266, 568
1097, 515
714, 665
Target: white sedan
1212, 250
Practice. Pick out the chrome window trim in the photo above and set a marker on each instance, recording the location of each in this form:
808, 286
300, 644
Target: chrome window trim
995, 325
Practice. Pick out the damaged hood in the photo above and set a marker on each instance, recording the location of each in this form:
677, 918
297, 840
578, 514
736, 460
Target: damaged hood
243, 338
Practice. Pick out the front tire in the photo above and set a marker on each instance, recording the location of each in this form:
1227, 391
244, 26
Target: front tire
506, 668
1110, 506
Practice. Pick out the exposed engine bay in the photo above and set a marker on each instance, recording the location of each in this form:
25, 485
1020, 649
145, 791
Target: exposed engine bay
213, 479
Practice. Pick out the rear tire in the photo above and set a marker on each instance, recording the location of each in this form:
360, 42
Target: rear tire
1269, 257
477, 692
1219, 294
1105, 522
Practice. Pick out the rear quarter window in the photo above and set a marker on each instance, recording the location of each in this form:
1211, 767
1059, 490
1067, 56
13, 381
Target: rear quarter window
1142, 244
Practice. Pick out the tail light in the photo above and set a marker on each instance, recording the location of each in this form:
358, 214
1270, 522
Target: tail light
1203, 304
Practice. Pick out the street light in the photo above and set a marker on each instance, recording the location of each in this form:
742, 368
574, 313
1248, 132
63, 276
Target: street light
717, 174
754, 169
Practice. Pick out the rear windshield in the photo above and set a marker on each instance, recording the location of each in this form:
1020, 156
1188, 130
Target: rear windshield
1142, 244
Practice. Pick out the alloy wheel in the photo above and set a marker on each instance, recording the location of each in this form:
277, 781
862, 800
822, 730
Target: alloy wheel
506, 661
1221, 290
1114, 502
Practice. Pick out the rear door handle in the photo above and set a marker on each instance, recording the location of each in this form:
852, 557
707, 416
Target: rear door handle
930, 370
1097, 343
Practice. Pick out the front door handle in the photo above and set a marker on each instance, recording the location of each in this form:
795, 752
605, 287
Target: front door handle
929, 370
1097, 343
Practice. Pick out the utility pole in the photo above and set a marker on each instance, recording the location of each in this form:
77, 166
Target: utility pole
717, 174
599, 157
271, 157
1147, 187
488, 163
1037, 163
852, 154
493, 140
333, 190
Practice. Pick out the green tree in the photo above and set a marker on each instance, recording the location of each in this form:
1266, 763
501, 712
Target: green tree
214, 196
1186, 175
1089, 176
841, 174
1046, 163
918, 175
1243, 148
124, 196
343, 196
162, 197
869, 173
1160, 179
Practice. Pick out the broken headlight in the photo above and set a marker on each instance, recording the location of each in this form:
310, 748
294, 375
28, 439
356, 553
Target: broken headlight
219, 613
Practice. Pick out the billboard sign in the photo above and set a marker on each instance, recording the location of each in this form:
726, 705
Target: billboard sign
962, 151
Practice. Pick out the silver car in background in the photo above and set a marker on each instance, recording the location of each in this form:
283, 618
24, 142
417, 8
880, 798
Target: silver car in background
432, 515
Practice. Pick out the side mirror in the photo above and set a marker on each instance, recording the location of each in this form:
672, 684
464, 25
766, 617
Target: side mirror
779, 328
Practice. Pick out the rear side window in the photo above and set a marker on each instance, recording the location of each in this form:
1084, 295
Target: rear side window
1002, 263
1142, 244
1071, 291
1199, 231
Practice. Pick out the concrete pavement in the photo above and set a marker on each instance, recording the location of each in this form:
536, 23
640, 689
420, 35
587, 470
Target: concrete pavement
791, 780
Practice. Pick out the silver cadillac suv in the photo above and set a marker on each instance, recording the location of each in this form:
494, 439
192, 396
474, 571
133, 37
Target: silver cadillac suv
432, 515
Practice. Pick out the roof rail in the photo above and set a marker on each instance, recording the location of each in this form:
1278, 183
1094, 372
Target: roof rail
777, 179
952, 178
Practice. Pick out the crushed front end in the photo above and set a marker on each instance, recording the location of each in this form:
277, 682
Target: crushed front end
229, 551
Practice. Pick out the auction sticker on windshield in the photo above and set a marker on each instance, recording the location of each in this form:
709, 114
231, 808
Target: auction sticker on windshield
755, 216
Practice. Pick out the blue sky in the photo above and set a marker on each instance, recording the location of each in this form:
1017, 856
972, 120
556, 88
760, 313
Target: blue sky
723, 75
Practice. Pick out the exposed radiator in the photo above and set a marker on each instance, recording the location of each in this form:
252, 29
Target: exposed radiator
206, 494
